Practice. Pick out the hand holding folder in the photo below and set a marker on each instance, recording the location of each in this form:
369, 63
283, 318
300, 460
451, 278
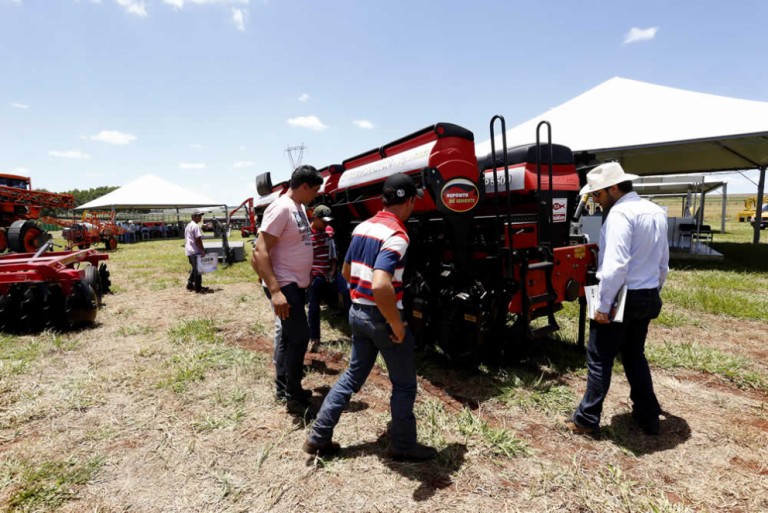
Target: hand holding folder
592, 294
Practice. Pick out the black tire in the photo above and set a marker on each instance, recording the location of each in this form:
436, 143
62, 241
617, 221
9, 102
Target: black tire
25, 236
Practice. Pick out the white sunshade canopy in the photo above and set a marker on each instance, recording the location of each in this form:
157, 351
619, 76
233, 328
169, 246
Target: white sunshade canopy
653, 129
150, 192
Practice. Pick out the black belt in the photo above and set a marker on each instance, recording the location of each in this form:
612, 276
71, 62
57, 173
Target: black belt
359, 306
643, 292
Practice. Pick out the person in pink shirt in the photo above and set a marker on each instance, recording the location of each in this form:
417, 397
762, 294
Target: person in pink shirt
282, 257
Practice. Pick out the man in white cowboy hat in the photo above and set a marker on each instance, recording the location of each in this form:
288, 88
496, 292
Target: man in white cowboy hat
633, 252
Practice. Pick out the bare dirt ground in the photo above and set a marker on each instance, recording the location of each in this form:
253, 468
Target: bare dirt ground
177, 425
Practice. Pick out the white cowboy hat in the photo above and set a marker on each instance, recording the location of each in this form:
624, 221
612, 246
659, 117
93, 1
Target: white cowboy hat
605, 175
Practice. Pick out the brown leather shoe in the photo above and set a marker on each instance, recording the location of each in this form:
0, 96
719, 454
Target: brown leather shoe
322, 449
582, 430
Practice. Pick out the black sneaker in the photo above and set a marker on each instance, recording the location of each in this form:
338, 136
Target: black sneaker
321, 449
418, 453
650, 424
301, 408
190, 287
303, 395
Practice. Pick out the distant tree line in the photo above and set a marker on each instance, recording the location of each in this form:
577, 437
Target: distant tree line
82, 196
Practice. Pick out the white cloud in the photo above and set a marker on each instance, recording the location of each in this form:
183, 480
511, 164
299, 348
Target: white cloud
19, 105
136, 7
363, 123
22, 171
69, 154
311, 122
113, 137
243, 163
196, 146
180, 3
238, 16
637, 34
191, 165
304, 97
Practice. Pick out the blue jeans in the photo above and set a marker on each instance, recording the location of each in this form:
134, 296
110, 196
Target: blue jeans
292, 346
370, 335
628, 337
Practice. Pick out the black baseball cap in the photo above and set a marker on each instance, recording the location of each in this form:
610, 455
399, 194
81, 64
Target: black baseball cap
399, 187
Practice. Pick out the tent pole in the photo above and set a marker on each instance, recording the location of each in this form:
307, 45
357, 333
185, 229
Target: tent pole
725, 201
759, 206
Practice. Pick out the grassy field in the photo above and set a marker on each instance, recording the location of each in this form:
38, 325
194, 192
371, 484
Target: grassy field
166, 406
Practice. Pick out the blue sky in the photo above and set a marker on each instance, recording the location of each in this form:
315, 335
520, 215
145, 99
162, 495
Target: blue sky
209, 93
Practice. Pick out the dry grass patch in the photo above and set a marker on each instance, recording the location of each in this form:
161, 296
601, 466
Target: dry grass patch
166, 405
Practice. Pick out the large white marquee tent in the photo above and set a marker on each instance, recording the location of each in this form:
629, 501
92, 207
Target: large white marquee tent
150, 192
656, 130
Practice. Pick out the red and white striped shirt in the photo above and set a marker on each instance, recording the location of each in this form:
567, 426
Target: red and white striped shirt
378, 243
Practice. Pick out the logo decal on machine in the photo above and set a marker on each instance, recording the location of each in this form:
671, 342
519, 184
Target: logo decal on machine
460, 195
559, 210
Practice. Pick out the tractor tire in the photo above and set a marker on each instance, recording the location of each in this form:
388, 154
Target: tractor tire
25, 236
245, 233
3, 239
110, 243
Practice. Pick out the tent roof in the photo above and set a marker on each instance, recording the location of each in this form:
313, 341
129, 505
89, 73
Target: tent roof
653, 129
150, 192
658, 188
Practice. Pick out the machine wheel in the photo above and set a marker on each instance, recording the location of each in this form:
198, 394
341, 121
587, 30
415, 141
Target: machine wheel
9, 306
80, 307
106, 283
83, 246
28, 310
26, 236
245, 233
93, 279
3, 239
110, 243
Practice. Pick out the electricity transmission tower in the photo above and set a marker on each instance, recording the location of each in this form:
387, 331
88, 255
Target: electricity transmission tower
295, 155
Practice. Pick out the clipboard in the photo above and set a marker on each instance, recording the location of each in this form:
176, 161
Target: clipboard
592, 295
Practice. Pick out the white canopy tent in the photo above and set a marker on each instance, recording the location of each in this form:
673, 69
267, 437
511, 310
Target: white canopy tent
656, 130
149, 192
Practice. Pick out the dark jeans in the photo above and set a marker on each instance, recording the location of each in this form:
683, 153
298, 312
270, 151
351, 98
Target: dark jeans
195, 279
370, 335
292, 346
316, 288
319, 288
628, 337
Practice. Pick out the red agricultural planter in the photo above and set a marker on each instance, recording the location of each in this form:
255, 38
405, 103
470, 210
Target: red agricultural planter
51, 290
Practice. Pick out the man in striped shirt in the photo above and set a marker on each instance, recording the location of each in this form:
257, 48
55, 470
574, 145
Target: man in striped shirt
373, 266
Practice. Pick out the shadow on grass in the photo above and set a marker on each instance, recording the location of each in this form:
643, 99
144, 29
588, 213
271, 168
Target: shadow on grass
538, 364
626, 434
432, 475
